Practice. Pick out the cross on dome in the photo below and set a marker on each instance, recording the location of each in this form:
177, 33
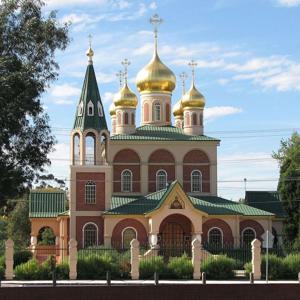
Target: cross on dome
183, 76
120, 76
126, 63
155, 20
90, 52
193, 65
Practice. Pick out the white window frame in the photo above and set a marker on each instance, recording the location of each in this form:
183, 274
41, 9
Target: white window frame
100, 109
250, 228
128, 227
156, 179
155, 105
80, 109
90, 105
83, 233
201, 181
88, 184
122, 181
222, 235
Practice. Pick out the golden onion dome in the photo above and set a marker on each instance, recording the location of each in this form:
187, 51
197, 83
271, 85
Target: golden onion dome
178, 109
112, 109
126, 98
193, 98
155, 77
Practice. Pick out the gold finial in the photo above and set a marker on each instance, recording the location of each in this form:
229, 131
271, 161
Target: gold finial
120, 76
125, 64
183, 76
90, 52
193, 65
155, 20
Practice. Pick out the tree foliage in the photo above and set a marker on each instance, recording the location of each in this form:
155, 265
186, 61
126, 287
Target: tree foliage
288, 157
28, 42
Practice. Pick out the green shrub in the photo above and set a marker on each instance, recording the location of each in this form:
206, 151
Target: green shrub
21, 257
149, 265
2, 261
181, 267
2, 272
62, 271
292, 265
276, 270
218, 267
248, 268
28, 271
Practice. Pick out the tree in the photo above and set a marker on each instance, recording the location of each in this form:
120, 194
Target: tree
28, 42
19, 227
288, 157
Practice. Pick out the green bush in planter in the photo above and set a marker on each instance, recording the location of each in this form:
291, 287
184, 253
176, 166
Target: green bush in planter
276, 270
21, 257
218, 267
2, 272
181, 267
150, 265
292, 265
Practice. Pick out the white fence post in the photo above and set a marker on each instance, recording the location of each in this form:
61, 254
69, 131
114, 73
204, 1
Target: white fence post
9, 259
135, 252
73, 259
256, 259
196, 258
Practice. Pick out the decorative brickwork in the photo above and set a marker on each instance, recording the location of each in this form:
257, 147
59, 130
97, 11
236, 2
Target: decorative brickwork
142, 237
81, 180
81, 221
130, 160
227, 233
182, 220
259, 230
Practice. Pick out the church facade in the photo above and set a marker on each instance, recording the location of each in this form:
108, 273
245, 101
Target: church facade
156, 182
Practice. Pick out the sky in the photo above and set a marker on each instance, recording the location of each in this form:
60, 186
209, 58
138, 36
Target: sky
248, 70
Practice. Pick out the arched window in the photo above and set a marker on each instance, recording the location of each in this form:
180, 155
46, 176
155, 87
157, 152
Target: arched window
126, 118
194, 119
126, 181
90, 235
90, 192
128, 234
161, 180
132, 119
90, 108
146, 112
119, 118
76, 149
201, 119
215, 236
46, 236
156, 112
80, 108
187, 121
248, 235
196, 181
90, 149
167, 112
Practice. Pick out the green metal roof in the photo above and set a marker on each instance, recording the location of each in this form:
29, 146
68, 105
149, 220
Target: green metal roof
160, 133
45, 204
268, 201
89, 93
212, 205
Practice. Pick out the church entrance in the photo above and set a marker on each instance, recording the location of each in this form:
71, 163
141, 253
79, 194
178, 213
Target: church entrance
175, 235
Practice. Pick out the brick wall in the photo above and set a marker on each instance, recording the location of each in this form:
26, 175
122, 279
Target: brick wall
259, 230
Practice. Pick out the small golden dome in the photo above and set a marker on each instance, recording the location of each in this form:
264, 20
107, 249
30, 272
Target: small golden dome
178, 109
155, 77
193, 98
125, 98
90, 52
112, 109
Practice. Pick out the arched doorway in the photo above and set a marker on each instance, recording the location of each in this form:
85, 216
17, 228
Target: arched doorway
175, 235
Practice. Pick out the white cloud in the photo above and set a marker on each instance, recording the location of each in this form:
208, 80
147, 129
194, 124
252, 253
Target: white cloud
212, 113
288, 3
55, 3
63, 102
108, 97
153, 6
64, 90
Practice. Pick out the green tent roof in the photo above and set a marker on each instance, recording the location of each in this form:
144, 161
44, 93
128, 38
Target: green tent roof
89, 93
268, 201
212, 205
45, 204
161, 133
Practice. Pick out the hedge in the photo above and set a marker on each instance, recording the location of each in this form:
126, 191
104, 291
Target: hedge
218, 267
